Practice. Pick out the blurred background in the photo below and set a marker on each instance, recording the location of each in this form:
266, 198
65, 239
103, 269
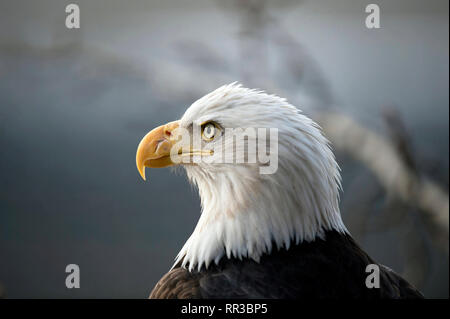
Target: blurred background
74, 103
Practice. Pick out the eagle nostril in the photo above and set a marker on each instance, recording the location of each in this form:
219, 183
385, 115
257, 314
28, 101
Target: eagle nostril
158, 144
162, 146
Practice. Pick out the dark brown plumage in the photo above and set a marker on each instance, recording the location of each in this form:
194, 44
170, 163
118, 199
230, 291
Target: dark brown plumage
332, 268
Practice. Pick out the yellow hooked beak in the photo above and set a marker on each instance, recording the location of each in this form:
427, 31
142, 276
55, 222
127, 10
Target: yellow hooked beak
154, 148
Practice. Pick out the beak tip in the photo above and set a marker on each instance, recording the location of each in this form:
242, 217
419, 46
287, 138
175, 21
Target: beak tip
142, 173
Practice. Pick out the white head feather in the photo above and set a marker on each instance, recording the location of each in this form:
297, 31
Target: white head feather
245, 213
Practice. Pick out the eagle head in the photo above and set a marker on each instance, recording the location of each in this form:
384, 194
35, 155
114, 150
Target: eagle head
265, 173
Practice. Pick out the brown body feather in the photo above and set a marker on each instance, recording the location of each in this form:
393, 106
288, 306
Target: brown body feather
332, 268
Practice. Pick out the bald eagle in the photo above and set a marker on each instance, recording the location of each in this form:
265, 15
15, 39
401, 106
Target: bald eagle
262, 235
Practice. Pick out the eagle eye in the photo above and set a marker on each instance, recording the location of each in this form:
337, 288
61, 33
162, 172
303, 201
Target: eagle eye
209, 131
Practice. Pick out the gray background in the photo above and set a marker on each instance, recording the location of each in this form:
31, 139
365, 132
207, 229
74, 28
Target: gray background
75, 103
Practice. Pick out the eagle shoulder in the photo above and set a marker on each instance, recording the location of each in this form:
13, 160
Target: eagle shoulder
178, 283
396, 287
